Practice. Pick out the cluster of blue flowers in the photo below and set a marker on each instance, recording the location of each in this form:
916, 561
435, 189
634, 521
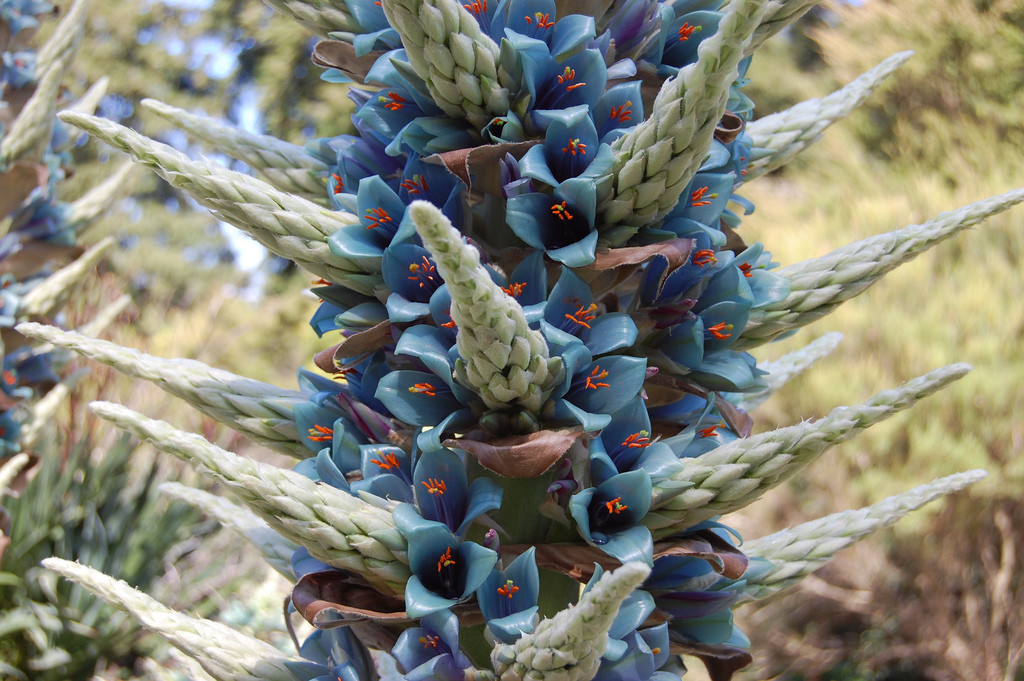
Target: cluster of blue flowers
503, 508
36, 228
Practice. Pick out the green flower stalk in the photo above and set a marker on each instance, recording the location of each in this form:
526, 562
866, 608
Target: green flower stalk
786, 367
657, 159
260, 411
819, 285
778, 138
458, 61
9, 471
568, 646
63, 45
780, 14
274, 548
224, 653
784, 558
287, 225
29, 135
336, 527
51, 294
503, 360
92, 205
286, 166
319, 16
735, 474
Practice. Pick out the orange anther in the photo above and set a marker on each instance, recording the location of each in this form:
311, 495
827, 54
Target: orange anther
445, 560
508, 589
435, 486
583, 315
614, 506
622, 113
390, 461
720, 330
561, 211
637, 440
596, 374
703, 257
320, 433
425, 388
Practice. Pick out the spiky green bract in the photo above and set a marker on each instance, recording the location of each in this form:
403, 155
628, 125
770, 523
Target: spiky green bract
503, 360
286, 166
336, 527
224, 653
780, 14
51, 294
83, 212
273, 547
780, 371
29, 135
794, 553
458, 61
657, 159
731, 476
287, 225
319, 16
819, 285
776, 139
9, 470
260, 411
67, 36
568, 646
88, 102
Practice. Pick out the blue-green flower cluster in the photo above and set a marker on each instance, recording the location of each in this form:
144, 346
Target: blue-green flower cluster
511, 506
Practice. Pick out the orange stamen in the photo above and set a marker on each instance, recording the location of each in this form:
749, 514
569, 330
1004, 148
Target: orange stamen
377, 217
703, 257
477, 7
686, 30
320, 433
416, 185
720, 330
508, 589
695, 197
637, 440
425, 388
622, 113
339, 184
583, 315
614, 506
561, 211
596, 374
394, 101
710, 431
574, 146
435, 486
390, 461
514, 289
569, 75
542, 21
428, 641
422, 273
746, 268
445, 560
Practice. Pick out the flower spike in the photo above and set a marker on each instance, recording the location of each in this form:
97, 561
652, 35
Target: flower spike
287, 225
224, 652
274, 548
29, 135
784, 558
780, 14
286, 166
655, 162
568, 646
819, 285
454, 57
780, 371
337, 528
51, 294
776, 139
92, 205
260, 411
503, 359
735, 474
322, 17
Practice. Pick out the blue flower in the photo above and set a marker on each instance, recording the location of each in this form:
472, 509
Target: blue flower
508, 597
431, 650
442, 492
444, 570
332, 655
609, 516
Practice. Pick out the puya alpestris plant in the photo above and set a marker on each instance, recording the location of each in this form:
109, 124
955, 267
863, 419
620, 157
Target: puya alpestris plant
534, 421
